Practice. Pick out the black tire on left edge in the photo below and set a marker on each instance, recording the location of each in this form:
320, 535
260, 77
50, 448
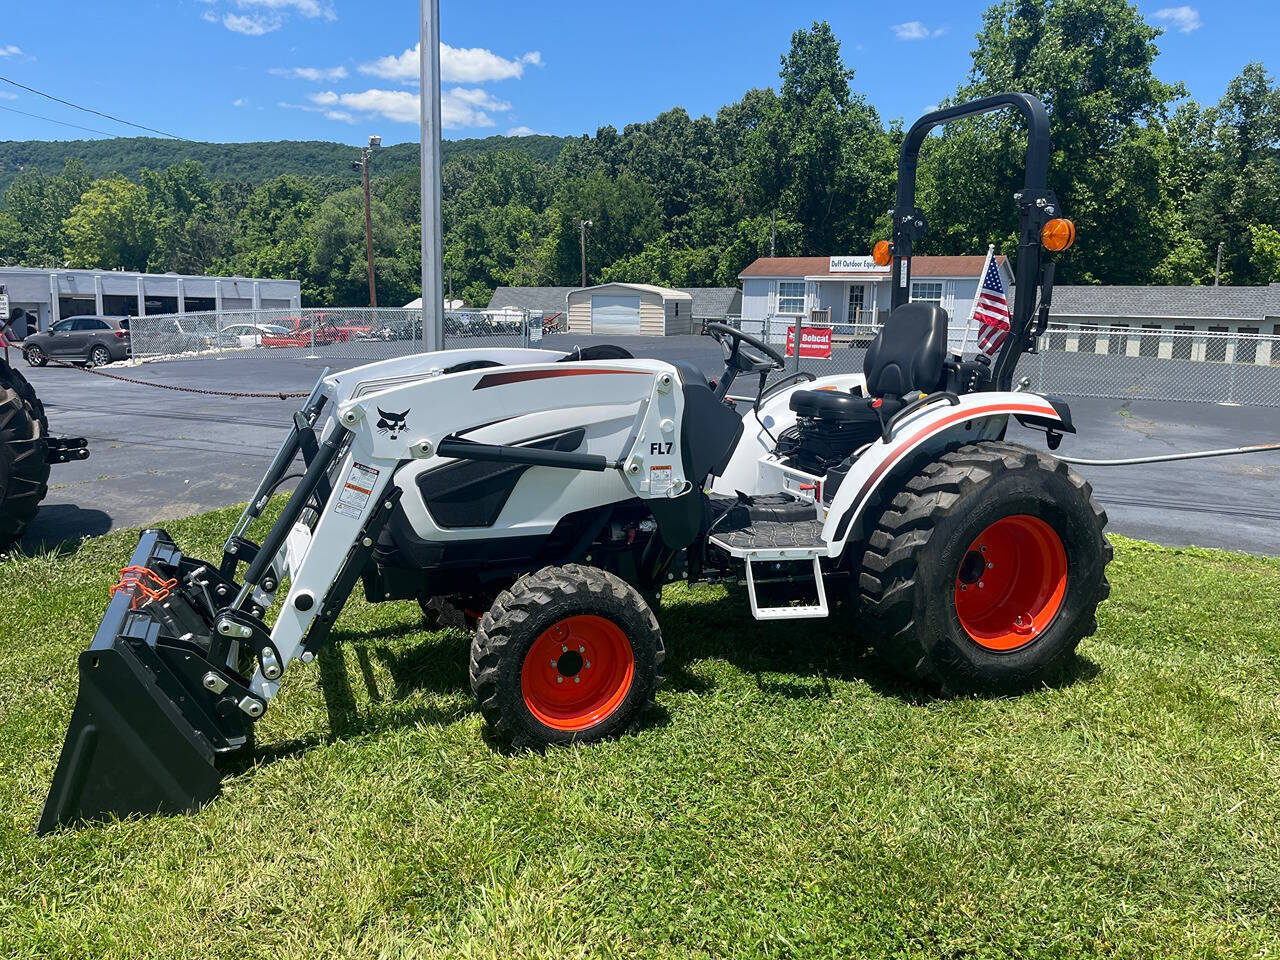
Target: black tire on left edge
24, 456
915, 566
549, 633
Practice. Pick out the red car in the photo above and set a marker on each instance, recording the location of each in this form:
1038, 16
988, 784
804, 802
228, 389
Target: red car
304, 331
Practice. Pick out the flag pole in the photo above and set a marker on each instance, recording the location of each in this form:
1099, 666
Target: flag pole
986, 265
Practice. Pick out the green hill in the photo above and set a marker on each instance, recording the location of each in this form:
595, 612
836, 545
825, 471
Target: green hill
254, 162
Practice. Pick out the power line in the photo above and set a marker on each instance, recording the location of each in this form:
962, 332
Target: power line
99, 113
36, 116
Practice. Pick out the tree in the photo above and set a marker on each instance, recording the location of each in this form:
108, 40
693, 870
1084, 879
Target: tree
1241, 185
39, 203
1090, 61
1266, 252
111, 227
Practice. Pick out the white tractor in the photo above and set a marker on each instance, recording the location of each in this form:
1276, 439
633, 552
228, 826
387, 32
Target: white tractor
549, 497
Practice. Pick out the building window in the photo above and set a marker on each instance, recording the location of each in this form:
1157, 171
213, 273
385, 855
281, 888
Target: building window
1182, 342
1275, 345
926, 291
677, 302
1246, 347
791, 297
857, 297
1118, 340
1215, 350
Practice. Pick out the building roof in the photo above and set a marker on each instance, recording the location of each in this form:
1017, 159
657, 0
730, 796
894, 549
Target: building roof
667, 293
921, 266
714, 302
546, 299
706, 301
1200, 302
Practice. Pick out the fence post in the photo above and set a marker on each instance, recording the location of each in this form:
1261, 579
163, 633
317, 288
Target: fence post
1235, 362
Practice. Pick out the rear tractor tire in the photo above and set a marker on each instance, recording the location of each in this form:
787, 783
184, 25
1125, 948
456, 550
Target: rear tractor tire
24, 455
985, 572
569, 654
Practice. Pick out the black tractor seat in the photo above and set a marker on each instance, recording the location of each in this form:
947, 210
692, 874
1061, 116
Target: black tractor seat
906, 357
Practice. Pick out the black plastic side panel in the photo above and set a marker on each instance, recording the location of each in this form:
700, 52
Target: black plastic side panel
473, 493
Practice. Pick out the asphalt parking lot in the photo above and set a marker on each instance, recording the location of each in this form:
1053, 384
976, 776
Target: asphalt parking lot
159, 454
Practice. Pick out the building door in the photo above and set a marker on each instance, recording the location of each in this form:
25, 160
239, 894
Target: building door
1215, 351
858, 303
615, 313
1149, 345
1246, 347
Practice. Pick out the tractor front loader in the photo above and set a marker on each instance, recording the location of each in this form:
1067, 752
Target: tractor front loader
547, 498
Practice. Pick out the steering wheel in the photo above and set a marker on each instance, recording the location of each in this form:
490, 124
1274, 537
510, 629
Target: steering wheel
737, 360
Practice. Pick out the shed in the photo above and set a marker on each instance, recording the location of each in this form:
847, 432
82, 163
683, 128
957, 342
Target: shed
630, 308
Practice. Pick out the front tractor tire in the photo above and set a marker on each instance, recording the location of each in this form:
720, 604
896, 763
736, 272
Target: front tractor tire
24, 455
569, 654
985, 572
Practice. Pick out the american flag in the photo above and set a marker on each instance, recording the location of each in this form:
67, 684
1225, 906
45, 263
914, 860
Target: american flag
992, 310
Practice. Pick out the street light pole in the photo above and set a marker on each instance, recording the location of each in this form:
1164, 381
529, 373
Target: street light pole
432, 233
582, 244
363, 165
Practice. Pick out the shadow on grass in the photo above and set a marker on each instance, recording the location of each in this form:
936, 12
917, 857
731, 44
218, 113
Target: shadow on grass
785, 659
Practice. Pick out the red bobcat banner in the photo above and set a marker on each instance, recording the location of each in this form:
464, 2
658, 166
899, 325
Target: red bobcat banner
815, 342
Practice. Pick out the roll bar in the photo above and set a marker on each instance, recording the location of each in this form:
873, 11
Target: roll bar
1037, 205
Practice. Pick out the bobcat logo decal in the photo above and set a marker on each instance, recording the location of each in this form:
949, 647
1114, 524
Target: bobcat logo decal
392, 424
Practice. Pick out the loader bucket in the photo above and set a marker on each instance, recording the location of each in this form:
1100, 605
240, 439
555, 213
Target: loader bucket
146, 733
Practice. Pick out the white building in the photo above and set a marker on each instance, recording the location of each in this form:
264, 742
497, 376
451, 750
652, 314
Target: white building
54, 294
848, 290
630, 308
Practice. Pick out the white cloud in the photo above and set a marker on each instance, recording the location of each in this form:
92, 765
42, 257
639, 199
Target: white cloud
459, 107
314, 74
9, 50
239, 102
1184, 19
340, 115
250, 26
457, 65
915, 30
523, 131
210, 17
6, 95
307, 8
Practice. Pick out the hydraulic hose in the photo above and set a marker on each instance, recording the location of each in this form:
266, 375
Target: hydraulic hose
1170, 457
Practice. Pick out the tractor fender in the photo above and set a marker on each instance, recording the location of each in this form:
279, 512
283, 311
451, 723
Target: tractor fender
927, 431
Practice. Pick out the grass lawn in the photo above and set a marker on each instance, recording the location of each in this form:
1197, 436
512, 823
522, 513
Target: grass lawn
786, 799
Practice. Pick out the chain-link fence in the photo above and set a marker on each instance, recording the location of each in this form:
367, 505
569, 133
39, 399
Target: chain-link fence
359, 333
1126, 362
1115, 361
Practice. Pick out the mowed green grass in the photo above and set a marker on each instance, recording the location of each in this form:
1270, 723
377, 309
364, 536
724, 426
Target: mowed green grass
786, 799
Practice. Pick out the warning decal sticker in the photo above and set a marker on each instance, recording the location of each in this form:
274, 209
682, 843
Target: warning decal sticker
660, 476
355, 493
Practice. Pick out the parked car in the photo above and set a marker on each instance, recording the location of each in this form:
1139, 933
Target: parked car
93, 340
250, 334
298, 332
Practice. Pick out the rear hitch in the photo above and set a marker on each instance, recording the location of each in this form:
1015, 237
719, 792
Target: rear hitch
163, 702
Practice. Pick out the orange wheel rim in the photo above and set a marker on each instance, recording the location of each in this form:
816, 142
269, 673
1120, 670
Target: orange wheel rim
1011, 583
577, 673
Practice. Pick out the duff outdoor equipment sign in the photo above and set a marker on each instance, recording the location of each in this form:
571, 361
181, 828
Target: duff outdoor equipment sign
815, 342
4, 304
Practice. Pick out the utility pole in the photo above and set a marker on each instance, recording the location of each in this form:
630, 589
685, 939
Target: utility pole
1217, 270
582, 245
432, 232
773, 235
363, 166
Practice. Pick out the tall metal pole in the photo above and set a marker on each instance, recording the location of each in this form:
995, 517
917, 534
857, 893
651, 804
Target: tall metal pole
368, 228
432, 233
1217, 269
582, 245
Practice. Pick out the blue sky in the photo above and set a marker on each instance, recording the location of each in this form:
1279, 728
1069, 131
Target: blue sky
342, 69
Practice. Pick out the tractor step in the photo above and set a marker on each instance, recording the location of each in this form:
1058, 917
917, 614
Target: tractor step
777, 542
